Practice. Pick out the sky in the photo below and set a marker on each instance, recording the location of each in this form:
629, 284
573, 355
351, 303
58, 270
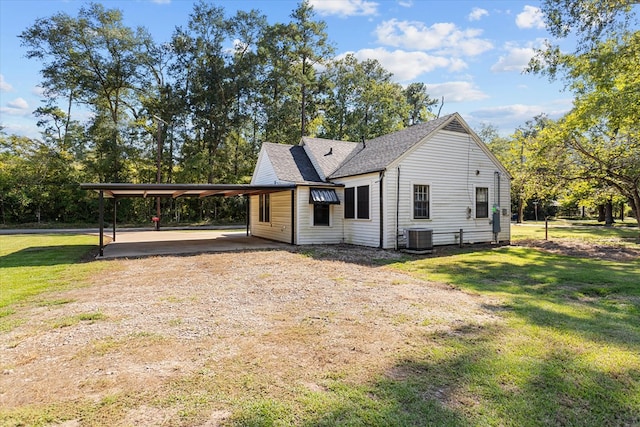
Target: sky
472, 54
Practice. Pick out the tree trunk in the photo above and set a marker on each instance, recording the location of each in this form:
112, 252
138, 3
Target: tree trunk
601, 214
608, 214
520, 210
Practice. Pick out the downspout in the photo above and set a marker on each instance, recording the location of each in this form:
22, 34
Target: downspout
397, 206
381, 210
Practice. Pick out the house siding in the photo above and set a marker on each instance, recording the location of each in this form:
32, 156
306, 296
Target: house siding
447, 162
279, 227
264, 172
306, 232
364, 232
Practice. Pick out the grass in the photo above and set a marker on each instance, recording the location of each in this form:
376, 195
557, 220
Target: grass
564, 348
33, 265
589, 231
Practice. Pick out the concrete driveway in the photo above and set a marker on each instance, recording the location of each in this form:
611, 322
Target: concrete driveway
135, 244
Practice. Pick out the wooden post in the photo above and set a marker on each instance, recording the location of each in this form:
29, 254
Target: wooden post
546, 228
461, 237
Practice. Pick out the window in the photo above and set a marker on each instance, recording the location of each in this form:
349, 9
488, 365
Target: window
356, 202
349, 202
265, 208
482, 202
421, 202
363, 202
321, 214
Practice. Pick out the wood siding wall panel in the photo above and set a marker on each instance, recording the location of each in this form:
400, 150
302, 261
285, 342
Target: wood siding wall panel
306, 232
447, 162
364, 232
279, 228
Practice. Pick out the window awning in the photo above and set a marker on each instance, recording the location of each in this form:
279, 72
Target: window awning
327, 196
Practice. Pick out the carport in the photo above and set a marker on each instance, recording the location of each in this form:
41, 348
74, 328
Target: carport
117, 191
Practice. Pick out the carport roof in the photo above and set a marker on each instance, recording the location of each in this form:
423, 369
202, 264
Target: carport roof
118, 190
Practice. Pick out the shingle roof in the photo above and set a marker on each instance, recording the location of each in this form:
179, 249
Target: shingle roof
291, 163
329, 153
338, 159
378, 153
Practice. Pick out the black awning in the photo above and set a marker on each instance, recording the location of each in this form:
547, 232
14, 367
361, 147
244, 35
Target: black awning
325, 196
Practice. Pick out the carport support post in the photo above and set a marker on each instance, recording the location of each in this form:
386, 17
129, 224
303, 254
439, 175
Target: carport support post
101, 221
247, 198
115, 206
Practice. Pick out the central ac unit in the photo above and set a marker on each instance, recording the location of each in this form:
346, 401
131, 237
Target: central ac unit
419, 239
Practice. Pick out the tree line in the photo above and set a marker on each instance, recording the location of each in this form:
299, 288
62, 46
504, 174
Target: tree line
118, 103
202, 103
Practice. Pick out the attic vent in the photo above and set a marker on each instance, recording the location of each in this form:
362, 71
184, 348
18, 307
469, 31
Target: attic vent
455, 126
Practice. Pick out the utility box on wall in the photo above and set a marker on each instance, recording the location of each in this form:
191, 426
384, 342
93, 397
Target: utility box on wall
496, 221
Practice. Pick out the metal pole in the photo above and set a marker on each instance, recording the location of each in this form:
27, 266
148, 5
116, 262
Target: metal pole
101, 221
461, 237
248, 213
115, 206
158, 173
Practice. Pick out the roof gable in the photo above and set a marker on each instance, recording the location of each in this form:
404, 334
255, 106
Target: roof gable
376, 154
327, 154
291, 163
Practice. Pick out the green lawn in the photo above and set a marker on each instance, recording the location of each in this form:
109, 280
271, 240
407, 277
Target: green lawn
32, 265
564, 348
587, 230
568, 352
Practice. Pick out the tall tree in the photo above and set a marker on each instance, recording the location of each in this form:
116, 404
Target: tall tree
310, 48
363, 102
97, 58
420, 104
602, 131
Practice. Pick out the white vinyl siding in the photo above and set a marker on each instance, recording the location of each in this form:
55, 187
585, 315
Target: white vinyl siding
264, 173
453, 165
309, 234
364, 232
279, 227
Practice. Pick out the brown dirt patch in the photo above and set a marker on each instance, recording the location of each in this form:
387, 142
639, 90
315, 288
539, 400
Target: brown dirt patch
577, 248
277, 320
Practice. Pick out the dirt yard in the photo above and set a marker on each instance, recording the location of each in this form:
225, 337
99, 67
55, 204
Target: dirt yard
280, 320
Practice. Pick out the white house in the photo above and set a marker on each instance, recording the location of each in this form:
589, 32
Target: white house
436, 176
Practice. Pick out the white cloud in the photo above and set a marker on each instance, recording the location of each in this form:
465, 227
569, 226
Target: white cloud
442, 37
530, 17
516, 59
4, 86
18, 103
477, 14
405, 3
29, 130
38, 91
405, 65
515, 115
344, 8
456, 92
17, 107
161, 1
